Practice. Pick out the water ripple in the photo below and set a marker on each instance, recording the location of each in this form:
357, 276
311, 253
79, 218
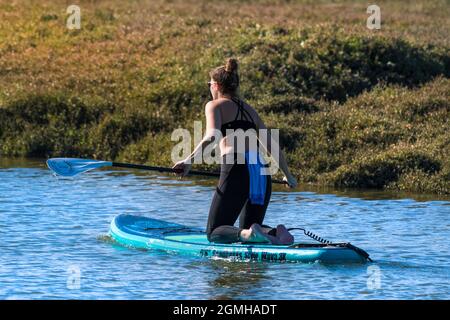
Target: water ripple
54, 231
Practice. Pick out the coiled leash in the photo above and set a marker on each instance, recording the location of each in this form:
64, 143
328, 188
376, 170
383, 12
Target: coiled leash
312, 235
325, 242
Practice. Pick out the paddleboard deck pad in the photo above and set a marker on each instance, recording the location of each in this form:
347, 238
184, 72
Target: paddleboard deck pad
147, 233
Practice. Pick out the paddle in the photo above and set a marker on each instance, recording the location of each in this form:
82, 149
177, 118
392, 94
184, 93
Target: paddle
69, 167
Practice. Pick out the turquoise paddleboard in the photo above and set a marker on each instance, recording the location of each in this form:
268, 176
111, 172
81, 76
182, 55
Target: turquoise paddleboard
147, 233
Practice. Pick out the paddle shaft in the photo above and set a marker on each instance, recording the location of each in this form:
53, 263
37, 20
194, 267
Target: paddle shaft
164, 169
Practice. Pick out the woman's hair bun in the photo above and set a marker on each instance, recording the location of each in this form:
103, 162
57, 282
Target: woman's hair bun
231, 65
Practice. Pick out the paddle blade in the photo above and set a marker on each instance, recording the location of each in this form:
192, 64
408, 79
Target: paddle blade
70, 167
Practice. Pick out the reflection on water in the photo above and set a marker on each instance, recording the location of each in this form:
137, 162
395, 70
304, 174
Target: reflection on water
232, 280
52, 226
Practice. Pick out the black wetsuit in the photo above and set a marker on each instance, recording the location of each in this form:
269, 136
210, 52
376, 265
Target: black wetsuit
231, 197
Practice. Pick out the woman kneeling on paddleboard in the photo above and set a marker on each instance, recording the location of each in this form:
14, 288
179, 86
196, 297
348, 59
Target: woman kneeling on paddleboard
242, 189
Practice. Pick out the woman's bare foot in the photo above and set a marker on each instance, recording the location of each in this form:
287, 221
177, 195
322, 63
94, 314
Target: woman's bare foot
256, 234
284, 236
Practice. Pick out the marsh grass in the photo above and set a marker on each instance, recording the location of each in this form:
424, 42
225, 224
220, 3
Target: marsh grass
356, 108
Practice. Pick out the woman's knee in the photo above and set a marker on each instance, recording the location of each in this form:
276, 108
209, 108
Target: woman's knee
208, 235
214, 235
223, 234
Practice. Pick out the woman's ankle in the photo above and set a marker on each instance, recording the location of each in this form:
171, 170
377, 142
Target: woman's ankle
244, 234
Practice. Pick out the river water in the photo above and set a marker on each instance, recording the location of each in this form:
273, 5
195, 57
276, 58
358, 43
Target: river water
54, 241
